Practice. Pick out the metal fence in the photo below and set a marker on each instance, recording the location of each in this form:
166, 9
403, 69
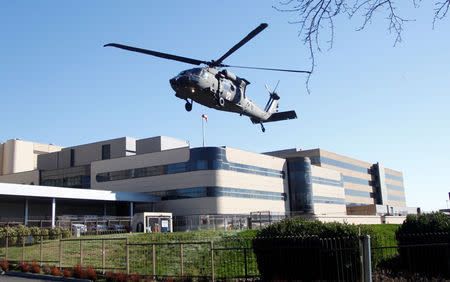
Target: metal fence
285, 258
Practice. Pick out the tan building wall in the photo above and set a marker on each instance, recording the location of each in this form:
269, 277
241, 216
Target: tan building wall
19, 155
26, 177
85, 154
328, 191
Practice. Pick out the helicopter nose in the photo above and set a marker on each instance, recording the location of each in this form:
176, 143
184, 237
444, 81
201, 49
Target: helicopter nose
173, 83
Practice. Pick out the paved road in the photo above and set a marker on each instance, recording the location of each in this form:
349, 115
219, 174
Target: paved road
18, 279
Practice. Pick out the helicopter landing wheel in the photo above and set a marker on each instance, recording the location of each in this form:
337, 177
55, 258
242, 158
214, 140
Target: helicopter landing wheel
188, 106
263, 129
221, 102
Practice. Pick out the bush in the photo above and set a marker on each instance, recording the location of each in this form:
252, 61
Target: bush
24, 267
4, 265
22, 230
66, 272
91, 274
55, 271
424, 241
34, 268
78, 272
298, 248
55, 233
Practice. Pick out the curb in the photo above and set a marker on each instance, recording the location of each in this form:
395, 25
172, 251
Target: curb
42, 276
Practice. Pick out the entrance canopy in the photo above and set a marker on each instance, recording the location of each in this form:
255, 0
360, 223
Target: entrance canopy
74, 193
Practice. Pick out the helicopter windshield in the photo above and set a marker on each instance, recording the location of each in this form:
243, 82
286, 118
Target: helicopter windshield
195, 71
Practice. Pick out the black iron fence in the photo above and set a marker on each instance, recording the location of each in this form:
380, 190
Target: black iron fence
284, 258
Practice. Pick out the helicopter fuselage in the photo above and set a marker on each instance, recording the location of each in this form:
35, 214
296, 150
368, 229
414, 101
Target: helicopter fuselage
218, 89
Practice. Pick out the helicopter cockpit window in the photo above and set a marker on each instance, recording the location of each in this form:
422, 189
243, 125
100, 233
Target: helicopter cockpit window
196, 71
204, 73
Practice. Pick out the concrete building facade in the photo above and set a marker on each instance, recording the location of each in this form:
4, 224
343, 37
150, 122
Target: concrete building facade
221, 180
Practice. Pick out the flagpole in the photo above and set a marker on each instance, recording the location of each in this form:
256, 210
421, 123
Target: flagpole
203, 132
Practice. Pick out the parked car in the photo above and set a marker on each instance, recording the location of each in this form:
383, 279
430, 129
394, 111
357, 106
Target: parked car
117, 227
79, 226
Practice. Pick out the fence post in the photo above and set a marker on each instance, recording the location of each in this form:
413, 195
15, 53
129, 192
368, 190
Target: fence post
40, 250
128, 258
103, 256
212, 261
366, 265
81, 252
154, 260
60, 251
6, 244
23, 248
181, 259
245, 263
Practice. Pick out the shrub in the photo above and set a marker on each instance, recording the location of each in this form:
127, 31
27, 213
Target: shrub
78, 271
22, 230
24, 267
91, 274
55, 271
424, 241
110, 276
297, 248
4, 265
35, 268
35, 231
66, 272
121, 277
135, 277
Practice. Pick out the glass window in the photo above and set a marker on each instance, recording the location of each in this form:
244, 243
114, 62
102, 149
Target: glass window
106, 152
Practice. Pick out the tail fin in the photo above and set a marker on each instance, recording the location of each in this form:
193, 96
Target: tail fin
282, 116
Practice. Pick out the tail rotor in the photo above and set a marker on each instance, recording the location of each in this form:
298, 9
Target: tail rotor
271, 106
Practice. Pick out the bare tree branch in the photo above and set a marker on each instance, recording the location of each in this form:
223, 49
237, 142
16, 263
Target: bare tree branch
316, 19
441, 10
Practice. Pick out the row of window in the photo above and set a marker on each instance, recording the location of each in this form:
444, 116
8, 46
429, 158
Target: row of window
80, 181
217, 162
328, 200
356, 180
357, 193
326, 181
396, 198
214, 191
395, 187
344, 165
393, 177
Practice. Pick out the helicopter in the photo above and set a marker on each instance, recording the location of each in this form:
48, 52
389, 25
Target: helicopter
221, 89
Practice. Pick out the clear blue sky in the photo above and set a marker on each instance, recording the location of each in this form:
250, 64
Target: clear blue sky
369, 100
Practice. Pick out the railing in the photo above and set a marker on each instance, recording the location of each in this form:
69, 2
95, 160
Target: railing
304, 258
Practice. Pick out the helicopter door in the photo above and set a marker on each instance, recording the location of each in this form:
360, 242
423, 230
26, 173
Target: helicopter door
228, 90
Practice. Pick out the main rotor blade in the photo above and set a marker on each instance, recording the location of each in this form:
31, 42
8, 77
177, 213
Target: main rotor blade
269, 69
252, 34
157, 54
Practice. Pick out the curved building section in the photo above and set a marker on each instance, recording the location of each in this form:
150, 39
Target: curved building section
199, 180
300, 185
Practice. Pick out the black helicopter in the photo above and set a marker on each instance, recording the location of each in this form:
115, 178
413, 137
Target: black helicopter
221, 89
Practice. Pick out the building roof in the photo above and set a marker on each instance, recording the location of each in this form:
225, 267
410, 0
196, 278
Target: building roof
74, 193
